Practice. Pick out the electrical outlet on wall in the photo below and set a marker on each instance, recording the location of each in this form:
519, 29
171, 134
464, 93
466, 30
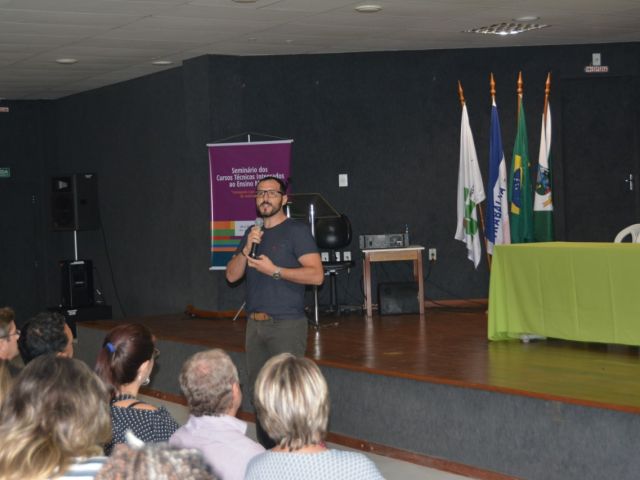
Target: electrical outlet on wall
433, 254
324, 256
337, 256
346, 255
343, 180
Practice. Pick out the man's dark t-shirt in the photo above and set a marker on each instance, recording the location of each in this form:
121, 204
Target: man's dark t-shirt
283, 244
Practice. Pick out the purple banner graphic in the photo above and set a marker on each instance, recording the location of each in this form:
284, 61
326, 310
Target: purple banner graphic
235, 170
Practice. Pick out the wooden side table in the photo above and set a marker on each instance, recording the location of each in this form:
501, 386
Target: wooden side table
413, 253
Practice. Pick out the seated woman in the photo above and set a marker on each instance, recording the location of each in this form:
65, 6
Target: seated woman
124, 363
54, 421
292, 403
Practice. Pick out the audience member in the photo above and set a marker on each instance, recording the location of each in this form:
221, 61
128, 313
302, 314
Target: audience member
47, 332
9, 339
292, 402
156, 461
209, 381
53, 422
124, 363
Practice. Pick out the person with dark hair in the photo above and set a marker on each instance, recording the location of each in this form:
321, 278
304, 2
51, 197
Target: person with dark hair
45, 333
292, 403
53, 422
287, 259
124, 363
9, 335
155, 462
209, 381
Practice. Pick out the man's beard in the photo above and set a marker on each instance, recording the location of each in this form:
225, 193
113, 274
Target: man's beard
274, 210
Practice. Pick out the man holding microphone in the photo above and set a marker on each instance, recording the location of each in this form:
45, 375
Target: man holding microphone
286, 259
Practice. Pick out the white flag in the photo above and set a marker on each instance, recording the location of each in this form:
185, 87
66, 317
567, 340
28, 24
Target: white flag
542, 199
470, 192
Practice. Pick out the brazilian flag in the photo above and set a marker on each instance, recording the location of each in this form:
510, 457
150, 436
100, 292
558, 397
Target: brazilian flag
520, 193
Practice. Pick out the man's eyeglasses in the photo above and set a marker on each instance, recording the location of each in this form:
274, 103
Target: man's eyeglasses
268, 193
9, 335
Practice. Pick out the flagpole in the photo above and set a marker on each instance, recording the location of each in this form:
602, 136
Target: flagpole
462, 102
520, 90
492, 87
547, 92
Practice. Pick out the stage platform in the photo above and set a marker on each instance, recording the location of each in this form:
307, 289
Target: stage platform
435, 391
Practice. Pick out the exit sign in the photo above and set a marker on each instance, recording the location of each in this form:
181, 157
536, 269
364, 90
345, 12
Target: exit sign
5, 172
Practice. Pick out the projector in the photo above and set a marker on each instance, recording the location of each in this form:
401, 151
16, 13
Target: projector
386, 240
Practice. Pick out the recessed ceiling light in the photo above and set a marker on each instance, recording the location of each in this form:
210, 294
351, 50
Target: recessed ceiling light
507, 28
162, 63
66, 61
368, 8
526, 18
245, 1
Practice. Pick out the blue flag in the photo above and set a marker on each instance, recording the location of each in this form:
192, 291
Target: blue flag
497, 227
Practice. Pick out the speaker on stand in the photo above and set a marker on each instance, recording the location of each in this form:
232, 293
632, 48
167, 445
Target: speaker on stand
74, 207
74, 202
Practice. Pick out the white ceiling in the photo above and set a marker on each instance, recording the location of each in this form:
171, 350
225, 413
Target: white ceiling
116, 40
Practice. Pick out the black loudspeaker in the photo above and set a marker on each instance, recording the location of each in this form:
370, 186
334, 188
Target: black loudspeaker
76, 283
398, 297
74, 202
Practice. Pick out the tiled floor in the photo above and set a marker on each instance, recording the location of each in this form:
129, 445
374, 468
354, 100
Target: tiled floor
391, 469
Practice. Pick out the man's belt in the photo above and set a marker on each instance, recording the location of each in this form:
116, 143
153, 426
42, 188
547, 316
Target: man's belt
259, 316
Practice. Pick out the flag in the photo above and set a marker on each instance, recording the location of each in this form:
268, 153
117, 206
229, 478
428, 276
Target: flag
520, 208
470, 192
497, 227
542, 200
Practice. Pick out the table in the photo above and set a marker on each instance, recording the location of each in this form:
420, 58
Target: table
412, 253
574, 291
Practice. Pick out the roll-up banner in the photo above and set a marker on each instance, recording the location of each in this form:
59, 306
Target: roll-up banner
235, 170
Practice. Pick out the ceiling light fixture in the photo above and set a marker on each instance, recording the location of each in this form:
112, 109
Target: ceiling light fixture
245, 1
526, 19
507, 28
368, 8
162, 63
66, 61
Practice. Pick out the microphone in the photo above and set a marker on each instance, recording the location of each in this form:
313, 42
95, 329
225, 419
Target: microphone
254, 246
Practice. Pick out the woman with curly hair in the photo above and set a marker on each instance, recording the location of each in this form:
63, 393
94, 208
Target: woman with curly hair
156, 461
54, 421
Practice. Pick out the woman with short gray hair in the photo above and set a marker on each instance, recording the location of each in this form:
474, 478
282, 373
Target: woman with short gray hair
292, 402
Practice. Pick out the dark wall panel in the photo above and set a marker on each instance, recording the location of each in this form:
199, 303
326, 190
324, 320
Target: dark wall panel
132, 136
25, 145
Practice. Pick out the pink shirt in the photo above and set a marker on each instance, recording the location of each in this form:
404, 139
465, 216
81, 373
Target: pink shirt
222, 441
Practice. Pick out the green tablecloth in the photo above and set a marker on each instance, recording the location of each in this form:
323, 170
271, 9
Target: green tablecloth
575, 291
